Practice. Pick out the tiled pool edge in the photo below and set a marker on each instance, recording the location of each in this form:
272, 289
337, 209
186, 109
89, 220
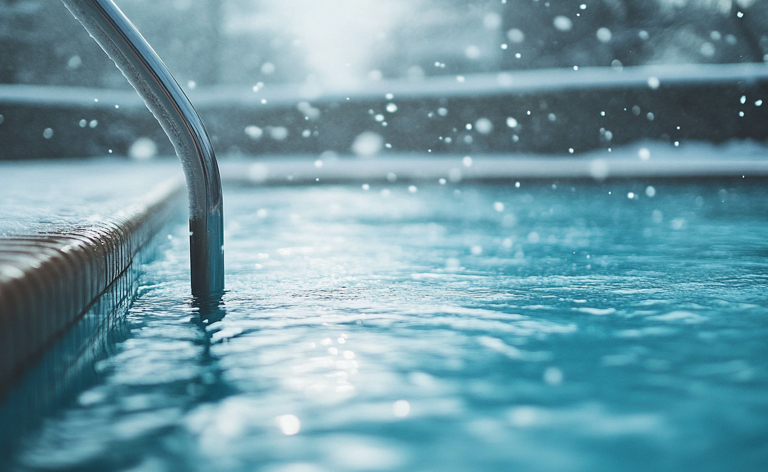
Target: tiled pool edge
69, 364
49, 280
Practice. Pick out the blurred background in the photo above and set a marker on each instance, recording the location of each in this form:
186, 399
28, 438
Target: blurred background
304, 76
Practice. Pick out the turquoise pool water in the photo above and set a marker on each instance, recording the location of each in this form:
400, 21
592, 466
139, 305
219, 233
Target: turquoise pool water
545, 327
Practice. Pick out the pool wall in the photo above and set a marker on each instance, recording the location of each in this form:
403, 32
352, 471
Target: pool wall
69, 365
48, 281
554, 110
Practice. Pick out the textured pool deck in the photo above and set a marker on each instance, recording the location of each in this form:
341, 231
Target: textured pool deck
49, 196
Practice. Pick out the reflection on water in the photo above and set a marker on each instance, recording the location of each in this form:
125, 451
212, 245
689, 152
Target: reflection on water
558, 326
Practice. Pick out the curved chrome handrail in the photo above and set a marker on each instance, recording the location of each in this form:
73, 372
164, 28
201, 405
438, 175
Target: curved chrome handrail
166, 100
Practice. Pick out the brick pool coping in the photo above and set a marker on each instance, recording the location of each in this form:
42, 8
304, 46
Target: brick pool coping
48, 280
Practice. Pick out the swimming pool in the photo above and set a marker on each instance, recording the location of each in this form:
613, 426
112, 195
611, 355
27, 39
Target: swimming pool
542, 326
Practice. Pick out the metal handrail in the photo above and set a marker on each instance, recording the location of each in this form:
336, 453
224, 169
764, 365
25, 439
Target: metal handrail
166, 100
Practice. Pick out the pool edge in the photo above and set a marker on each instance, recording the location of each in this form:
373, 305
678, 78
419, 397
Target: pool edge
48, 281
499, 168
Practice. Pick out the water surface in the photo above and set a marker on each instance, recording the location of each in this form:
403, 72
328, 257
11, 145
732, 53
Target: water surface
545, 327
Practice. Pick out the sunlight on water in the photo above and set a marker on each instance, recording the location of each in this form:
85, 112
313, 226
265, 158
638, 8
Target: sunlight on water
521, 327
